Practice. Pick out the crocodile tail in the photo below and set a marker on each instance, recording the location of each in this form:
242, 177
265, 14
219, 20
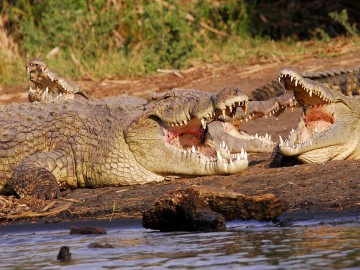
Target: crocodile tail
267, 91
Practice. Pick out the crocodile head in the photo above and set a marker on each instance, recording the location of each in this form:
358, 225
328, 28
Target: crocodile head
48, 83
328, 128
229, 130
172, 135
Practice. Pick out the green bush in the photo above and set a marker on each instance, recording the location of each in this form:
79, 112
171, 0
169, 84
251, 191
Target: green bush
97, 38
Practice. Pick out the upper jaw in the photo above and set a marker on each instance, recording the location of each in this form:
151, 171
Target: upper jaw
306, 91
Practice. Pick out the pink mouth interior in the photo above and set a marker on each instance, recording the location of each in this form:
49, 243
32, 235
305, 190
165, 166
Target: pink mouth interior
187, 136
316, 120
317, 115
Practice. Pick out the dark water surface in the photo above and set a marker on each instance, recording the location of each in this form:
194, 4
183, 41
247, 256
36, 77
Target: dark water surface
245, 245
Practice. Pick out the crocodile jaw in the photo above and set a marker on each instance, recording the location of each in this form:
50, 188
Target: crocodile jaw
225, 132
319, 142
327, 129
149, 142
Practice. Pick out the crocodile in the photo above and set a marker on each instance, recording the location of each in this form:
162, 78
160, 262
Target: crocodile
329, 126
49, 84
59, 144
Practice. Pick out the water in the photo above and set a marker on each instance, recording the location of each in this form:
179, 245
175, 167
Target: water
245, 245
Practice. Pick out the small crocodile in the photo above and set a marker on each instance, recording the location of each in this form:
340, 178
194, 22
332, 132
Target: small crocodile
48, 83
329, 127
58, 144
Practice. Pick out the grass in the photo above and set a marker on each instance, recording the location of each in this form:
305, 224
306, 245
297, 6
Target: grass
92, 39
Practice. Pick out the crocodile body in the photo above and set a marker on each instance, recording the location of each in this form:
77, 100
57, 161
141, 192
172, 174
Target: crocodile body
329, 127
52, 145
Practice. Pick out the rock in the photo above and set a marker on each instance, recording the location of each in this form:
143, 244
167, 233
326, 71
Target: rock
87, 230
233, 205
207, 209
99, 245
182, 210
64, 254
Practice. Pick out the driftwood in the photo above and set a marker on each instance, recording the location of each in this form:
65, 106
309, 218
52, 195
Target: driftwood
12, 208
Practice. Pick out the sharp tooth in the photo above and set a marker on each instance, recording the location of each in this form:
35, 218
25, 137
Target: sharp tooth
256, 136
310, 93
223, 113
193, 149
281, 140
230, 108
203, 123
296, 82
185, 122
279, 78
245, 156
242, 154
223, 144
47, 90
218, 155
30, 89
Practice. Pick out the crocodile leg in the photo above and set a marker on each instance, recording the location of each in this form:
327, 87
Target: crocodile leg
43, 174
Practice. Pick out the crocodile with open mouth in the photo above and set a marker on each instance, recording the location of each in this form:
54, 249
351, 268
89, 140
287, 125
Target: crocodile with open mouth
329, 126
58, 144
49, 84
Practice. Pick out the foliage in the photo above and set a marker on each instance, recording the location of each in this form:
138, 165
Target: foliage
96, 38
343, 19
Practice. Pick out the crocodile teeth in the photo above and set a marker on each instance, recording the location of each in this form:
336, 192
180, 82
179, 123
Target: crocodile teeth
203, 123
219, 157
281, 140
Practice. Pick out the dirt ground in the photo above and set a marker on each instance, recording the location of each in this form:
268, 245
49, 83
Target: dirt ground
307, 187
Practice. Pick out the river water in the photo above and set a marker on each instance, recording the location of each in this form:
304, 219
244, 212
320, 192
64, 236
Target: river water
244, 245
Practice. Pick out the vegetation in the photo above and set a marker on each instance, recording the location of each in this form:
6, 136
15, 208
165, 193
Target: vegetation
96, 38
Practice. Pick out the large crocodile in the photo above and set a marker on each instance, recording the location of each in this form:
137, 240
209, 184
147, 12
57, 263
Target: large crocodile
49, 84
58, 144
329, 127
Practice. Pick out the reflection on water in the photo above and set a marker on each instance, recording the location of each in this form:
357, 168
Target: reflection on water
245, 245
